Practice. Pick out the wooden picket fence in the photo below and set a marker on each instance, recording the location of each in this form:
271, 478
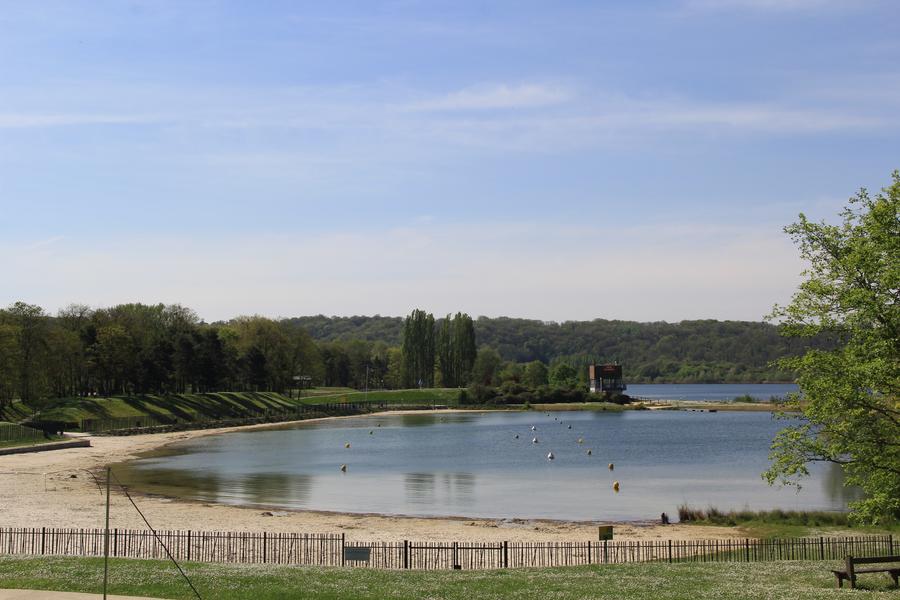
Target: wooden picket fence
333, 550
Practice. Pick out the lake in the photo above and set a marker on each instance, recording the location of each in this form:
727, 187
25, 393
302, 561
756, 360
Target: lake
472, 464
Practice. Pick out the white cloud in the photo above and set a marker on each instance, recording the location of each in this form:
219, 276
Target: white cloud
521, 269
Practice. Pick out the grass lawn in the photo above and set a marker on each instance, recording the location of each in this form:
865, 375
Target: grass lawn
446, 396
689, 581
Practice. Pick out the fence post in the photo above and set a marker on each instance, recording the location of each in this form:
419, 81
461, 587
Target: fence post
405, 554
590, 543
891, 544
43, 538
605, 553
265, 545
821, 548
747, 548
506, 554
670, 550
455, 555
343, 547
189, 545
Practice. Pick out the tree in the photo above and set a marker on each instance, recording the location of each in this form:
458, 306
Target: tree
850, 402
487, 363
418, 350
535, 374
563, 375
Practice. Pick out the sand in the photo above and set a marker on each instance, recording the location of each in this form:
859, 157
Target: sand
56, 489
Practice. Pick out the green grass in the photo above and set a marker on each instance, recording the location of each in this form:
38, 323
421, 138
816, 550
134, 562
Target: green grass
688, 581
446, 396
221, 405
769, 524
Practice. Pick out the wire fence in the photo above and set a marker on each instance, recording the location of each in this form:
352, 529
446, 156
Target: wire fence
328, 550
10, 432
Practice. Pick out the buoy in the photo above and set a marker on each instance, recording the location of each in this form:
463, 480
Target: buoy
370, 432
517, 436
379, 424
347, 445
550, 456
611, 466
343, 468
534, 441
533, 428
589, 452
615, 486
580, 441
570, 427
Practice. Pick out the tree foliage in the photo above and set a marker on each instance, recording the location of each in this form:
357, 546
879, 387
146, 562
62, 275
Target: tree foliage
850, 403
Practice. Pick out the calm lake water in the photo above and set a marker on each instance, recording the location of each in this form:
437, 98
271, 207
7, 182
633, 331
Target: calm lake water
472, 464
710, 391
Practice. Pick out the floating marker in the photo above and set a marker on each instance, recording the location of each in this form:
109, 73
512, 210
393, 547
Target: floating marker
347, 445
517, 436
343, 468
611, 466
371, 432
615, 486
550, 456
570, 427
580, 441
533, 428
534, 441
589, 452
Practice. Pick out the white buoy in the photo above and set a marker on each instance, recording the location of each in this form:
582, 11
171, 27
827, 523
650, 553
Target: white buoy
534, 441
517, 436
371, 432
347, 445
589, 452
343, 468
533, 428
550, 456
580, 441
612, 467
570, 427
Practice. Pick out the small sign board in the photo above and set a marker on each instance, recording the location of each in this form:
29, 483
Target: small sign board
359, 554
606, 532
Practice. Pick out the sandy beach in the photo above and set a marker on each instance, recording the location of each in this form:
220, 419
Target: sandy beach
55, 489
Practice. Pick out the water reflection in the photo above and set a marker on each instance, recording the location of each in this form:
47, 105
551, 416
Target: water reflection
448, 489
834, 482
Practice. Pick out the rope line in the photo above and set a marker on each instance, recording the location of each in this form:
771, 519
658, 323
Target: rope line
156, 535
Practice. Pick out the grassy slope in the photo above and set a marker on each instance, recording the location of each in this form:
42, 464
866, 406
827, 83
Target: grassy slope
222, 405
697, 581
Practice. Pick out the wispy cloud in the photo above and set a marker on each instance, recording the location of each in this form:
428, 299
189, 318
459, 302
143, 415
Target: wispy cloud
529, 269
497, 96
24, 120
775, 5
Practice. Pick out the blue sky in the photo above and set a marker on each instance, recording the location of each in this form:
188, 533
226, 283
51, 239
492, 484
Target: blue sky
564, 160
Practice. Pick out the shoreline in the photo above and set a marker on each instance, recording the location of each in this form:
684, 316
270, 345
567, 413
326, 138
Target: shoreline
57, 489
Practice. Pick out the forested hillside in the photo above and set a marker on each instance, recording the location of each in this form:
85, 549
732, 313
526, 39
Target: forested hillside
159, 349
689, 351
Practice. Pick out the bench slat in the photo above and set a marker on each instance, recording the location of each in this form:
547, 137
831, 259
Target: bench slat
875, 559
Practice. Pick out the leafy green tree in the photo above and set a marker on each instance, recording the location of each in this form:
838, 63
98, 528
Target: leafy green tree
563, 375
487, 364
536, 374
851, 393
419, 350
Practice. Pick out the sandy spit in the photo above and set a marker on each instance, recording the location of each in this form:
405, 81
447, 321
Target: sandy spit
56, 489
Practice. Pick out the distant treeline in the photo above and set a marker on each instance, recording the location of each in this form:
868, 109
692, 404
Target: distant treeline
137, 348
705, 351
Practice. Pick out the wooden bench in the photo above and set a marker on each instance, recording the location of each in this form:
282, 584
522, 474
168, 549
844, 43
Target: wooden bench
850, 571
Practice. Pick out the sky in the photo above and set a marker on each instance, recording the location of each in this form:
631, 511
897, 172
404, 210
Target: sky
549, 160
